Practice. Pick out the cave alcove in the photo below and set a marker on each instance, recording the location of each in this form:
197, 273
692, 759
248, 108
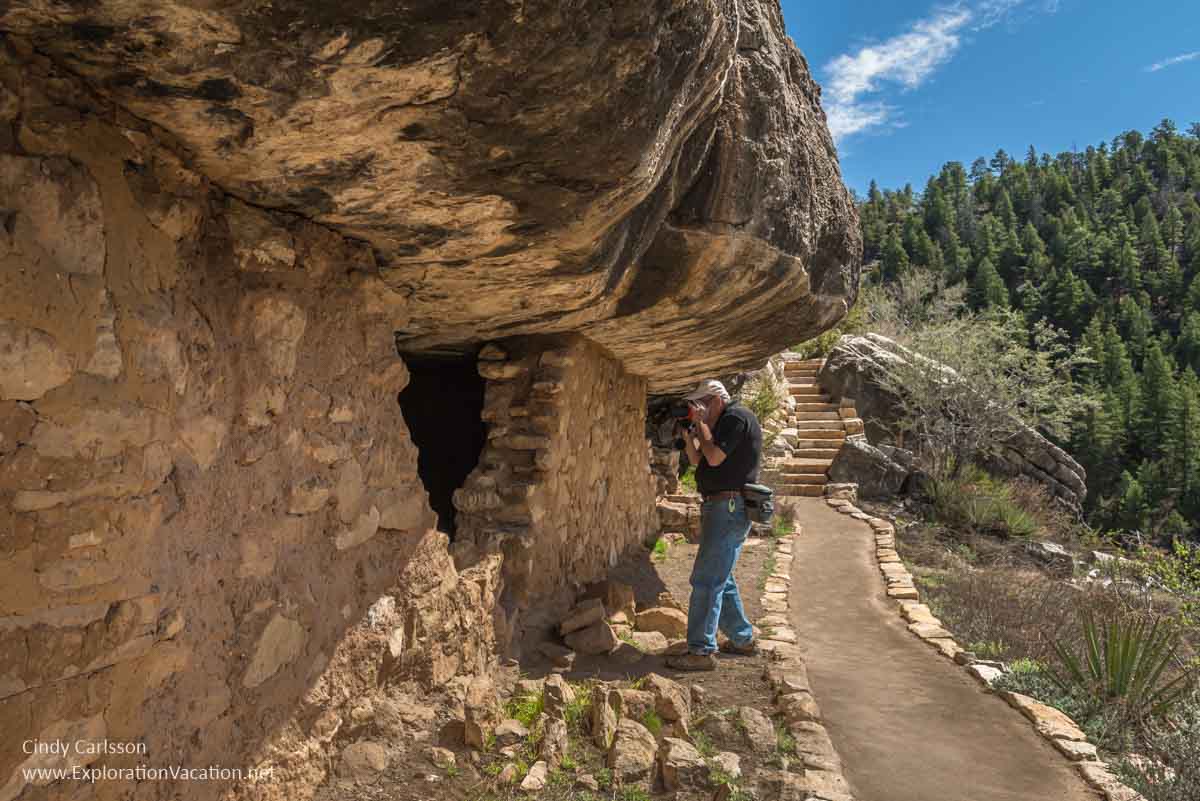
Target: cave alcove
442, 406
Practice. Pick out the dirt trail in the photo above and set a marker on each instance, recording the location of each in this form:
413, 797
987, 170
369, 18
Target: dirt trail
908, 724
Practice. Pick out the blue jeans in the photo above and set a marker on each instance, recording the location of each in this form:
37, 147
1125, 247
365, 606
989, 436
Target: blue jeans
715, 601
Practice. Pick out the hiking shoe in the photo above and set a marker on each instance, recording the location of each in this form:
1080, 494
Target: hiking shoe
690, 661
749, 649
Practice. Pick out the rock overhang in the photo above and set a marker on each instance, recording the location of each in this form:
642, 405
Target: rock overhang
657, 176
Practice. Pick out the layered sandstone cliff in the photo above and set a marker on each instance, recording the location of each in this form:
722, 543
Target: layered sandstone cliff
657, 175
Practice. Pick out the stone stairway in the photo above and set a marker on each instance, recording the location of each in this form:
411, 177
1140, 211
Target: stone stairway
816, 430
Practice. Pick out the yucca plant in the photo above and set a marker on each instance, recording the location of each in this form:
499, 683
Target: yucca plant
1123, 664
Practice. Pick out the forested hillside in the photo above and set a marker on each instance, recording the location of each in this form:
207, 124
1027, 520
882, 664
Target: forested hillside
1105, 245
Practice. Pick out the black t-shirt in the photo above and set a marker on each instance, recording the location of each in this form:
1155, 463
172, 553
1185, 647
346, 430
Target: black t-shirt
739, 436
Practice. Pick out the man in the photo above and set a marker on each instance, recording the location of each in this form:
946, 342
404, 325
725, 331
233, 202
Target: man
725, 445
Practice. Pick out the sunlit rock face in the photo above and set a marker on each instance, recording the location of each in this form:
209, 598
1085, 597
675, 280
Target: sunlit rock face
654, 174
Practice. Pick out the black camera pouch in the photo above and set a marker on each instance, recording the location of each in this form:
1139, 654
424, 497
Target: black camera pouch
760, 502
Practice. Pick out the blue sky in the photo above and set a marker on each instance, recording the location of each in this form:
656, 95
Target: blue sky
909, 85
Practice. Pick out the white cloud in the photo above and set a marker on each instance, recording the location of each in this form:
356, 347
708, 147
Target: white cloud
906, 61
1171, 62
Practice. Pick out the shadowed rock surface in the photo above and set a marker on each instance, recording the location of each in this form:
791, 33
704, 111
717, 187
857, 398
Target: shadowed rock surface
656, 175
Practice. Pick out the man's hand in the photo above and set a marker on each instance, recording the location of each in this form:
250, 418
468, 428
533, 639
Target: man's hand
689, 439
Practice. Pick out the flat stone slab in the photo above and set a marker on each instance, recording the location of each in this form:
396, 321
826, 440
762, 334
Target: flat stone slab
782, 635
1049, 722
985, 673
861, 516
903, 592
798, 706
1075, 750
826, 784
774, 647
948, 648
1101, 778
773, 621
929, 631
919, 613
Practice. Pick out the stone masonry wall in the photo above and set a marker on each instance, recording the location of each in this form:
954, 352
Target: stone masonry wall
563, 486
205, 479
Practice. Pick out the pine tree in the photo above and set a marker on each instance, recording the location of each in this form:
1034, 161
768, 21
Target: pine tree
1136, 325
1092, 342
1188, 345
1004, 209
1132, 507
956, 259
1158, 401
987, 288
1169, 280
895, 257
1172, 228
1184, 442
1128, 268
1121, 380
1070, 302
1150, 240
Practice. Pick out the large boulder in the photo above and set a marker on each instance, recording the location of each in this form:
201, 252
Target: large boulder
628, 170
859, 462
855, 368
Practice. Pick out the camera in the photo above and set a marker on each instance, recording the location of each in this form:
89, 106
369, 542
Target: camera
685, 415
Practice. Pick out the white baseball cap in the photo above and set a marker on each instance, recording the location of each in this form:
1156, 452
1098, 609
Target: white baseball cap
707, 388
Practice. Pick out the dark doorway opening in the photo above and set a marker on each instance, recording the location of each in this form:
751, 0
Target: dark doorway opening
442, 405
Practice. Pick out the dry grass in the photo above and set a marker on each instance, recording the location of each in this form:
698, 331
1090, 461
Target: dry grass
1020, 611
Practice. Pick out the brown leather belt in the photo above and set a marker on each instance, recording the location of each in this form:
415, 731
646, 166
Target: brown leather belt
717, 496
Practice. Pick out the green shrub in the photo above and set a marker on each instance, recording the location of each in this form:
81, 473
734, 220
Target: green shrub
704, 744
977, 502
784, 522
688, 479
1124, 665
1178, 571
785, 743
1172, 772
661, 546
988, 649
525, 708
652, 722
577, 711
763, 400
1029, 677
